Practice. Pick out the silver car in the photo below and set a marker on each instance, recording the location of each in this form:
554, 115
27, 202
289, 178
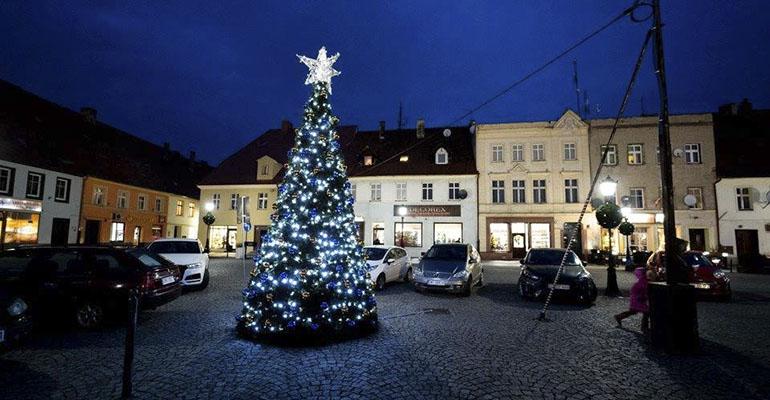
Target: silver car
454, 268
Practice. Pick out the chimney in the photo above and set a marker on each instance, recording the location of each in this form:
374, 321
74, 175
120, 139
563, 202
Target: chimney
382, 130
728, 109
745, 107
420, 128
192, 155
286, 126
89, 114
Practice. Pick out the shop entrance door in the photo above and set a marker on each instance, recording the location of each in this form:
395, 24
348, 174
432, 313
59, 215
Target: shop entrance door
91, 235
746, 245
518, 245
697, 239
60, 229
231, 239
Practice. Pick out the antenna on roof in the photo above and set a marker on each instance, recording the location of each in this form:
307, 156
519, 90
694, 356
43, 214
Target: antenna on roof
577, 87
400, 115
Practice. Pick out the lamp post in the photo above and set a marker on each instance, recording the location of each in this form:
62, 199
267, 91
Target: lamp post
608, 187
627, 211
208, 219
402, 211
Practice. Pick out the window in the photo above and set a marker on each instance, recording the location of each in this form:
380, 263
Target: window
234, 201
190, 209
376, 191
122, 199
262, 201
403, 158
442, 157
427, 191
635, 154
497, 153
612, 154
179, 208
636, 198
6, 180
368, 160
117, 231
519, 196
62, 190
538, 191
454, 190
266, 170
538, 152
158, 205
215, 198
570, 190
401, 192
141, 202
570, 152
744, 198
498, 192
410, 233
517, 152
35, 183
698, 194
692, 153
98, 196
447, 232
353, 191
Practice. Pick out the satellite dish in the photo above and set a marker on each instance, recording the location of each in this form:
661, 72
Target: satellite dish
678, 153
690, 200
447, 132
596, 202
463, 194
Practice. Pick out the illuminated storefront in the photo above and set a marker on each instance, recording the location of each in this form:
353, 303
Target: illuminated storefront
512, 237
19, 221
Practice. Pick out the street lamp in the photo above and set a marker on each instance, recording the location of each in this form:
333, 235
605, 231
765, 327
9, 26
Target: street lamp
627, 211
608, 188
402, 211
208, 219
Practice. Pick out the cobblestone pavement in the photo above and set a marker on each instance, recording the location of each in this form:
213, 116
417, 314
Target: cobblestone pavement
486, 346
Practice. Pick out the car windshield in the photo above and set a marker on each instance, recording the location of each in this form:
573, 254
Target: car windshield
174, 247
447, 253
146, 258
697, 260
374, 253
550, 257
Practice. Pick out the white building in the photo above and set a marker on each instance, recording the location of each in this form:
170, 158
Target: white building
38, 205
744, 215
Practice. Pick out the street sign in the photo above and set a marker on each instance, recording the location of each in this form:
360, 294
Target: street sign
246, 226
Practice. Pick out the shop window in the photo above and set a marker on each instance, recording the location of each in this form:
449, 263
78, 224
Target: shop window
412, 234
540, 235
117, 231
378, 233
499, 237
21, 227
444, 232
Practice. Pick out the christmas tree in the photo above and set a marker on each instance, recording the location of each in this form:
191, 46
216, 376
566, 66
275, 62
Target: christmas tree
310, 277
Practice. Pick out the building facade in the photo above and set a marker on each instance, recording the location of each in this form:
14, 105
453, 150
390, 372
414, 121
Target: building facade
744, 216
38, 206
183, 215
632, 162
533, 179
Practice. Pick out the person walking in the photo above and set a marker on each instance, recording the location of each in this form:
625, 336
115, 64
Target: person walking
638, 302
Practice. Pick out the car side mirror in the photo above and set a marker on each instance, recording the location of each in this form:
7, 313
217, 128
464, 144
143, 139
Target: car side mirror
422, 254
390, 261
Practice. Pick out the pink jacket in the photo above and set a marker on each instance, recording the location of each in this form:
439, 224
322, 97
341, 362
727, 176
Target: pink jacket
639, 292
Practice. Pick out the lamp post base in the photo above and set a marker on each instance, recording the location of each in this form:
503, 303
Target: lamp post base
673, 318
612, 280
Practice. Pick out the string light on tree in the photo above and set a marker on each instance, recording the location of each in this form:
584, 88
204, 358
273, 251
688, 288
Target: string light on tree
310, 277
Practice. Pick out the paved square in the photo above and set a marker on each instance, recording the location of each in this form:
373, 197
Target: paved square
486, 346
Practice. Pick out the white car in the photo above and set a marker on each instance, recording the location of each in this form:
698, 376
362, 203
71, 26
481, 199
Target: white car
188, 255
387, 264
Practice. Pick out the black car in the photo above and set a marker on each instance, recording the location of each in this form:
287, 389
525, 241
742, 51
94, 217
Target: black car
86, 284
15, 322
538, 271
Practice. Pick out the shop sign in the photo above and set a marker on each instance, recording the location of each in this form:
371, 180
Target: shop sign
21, 205
429, 211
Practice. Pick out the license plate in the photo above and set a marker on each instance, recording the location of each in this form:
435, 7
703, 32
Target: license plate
558, 287
167, 280
436, 282
702, 286
2, 335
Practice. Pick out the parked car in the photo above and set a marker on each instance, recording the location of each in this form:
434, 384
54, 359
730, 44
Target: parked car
15, 322
387, 264
86, 284
538, 271
188, 255
454, 268
708, 279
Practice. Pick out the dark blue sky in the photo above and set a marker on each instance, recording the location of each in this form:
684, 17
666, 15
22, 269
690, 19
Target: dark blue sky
211, 77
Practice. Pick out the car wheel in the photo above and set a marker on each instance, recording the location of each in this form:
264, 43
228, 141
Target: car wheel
468, 287
89, 315
380, 284
409, 275
205, 282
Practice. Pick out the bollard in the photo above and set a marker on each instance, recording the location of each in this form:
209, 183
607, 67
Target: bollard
128, 355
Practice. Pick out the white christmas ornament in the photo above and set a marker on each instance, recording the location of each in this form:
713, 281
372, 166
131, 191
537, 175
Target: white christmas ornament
320, 68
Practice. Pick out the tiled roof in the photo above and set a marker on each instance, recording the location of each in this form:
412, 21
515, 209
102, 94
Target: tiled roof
36, 132
742, 142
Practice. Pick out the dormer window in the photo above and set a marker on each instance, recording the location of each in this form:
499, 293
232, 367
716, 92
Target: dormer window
368, 160
266, 170
442, 157
404, 158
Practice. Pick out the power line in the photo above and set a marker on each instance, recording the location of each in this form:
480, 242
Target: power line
537, 70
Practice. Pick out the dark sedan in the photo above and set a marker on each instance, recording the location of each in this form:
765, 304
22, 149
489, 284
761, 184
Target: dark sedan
538, 271
15, 322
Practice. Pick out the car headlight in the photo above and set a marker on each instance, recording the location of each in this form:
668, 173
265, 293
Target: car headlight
17, 307
194, 265
460, 274
719, 274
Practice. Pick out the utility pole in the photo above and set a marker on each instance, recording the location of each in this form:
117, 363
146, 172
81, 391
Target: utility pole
672, 306
577, 88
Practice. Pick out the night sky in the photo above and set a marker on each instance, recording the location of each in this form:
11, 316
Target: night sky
210, 77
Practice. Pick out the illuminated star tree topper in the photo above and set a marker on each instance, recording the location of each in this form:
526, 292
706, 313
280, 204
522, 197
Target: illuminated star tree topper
320, 68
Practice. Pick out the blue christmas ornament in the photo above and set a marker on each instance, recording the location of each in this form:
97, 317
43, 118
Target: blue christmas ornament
314, 326
283, 276
291, 324
324, 305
